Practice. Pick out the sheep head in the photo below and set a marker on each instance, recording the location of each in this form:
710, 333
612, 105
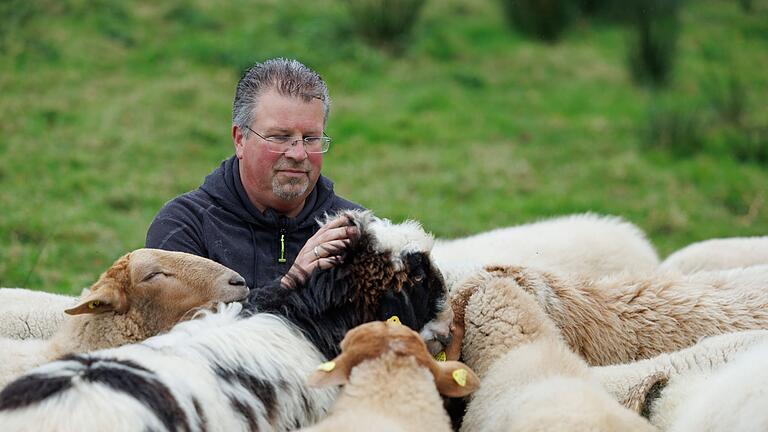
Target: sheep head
372, 340
385, 271
160, 287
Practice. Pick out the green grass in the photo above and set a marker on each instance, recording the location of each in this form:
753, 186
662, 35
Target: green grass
109, 109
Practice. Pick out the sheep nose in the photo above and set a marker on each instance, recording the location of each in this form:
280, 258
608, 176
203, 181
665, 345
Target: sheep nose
444, 339
237, 280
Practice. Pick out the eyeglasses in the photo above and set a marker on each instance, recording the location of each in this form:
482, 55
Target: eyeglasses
283, 143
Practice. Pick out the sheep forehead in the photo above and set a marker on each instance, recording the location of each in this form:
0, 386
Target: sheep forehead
399, 239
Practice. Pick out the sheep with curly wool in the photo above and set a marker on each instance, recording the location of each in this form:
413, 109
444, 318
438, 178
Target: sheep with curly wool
583, 243
718, 254
230, 372
391, 382
716, 385
30, 314
627, 317
143, 293
530, 379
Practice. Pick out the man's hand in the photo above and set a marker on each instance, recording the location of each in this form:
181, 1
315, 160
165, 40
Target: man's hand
323, 250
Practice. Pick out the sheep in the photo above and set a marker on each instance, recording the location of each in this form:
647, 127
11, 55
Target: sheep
626, 317
143, 293
718, 254
391, 382
583, 243
716, 383
734, 399
237, 371
30, 314
530, 379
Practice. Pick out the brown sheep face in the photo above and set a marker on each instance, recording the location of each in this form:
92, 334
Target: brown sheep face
161, 286
376, 339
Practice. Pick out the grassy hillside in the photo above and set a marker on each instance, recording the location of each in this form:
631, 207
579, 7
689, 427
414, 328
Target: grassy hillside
109, 109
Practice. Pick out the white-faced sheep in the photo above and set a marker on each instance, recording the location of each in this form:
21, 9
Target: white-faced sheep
391, 382
716, 385
583, 243
530, 379
143, 293
30, 314
628, 317
224, 372
718, 254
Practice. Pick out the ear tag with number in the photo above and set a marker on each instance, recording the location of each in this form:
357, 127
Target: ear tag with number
327, 366
394, 319
460, 376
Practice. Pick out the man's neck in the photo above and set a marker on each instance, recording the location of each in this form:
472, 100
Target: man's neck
289, 209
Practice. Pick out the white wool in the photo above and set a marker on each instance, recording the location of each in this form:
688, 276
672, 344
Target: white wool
587, 243
734, 398
719, 254
690, 373
30, 314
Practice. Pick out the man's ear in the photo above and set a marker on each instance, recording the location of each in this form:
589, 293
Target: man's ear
455, 379
238, 139
332, 373
109, 297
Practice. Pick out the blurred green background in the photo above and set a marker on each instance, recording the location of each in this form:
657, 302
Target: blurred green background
450, 112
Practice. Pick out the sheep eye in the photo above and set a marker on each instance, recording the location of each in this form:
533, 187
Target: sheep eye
418, 278
152, 275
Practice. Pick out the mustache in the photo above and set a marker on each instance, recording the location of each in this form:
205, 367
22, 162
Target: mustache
306, 166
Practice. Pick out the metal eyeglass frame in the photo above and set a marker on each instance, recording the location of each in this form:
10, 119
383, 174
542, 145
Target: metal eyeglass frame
325, 143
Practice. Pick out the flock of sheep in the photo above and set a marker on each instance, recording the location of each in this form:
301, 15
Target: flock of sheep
566, 324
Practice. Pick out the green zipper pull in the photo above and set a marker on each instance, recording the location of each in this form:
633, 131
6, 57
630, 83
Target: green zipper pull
282, 249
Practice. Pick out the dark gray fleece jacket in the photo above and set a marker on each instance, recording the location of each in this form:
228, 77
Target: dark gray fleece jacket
219, 222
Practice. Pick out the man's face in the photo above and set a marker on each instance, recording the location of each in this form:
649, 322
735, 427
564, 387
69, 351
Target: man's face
274, 180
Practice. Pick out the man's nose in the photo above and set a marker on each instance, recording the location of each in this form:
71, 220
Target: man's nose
297, 151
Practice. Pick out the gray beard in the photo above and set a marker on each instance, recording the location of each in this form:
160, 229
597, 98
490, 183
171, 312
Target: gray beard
294, 188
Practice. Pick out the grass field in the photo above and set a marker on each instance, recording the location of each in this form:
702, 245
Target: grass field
109, 109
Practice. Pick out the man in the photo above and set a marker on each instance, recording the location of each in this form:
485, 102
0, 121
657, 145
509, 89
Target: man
257, 212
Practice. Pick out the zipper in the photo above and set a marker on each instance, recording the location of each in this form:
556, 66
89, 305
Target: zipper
282, 259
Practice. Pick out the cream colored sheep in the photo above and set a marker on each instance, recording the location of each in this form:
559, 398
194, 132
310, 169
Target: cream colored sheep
714, 382
719, 254
145, 292
530, 380
30, 314
583, 243
627, 317
391, 382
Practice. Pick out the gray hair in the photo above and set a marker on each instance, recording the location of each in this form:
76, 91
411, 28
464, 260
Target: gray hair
289, 77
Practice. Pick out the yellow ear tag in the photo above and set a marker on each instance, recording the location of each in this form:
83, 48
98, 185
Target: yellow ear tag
460, 376
440, 356
93, 304
394, 319
327, 366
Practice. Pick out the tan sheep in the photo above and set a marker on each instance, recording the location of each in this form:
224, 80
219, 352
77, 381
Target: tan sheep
530, 379
391, 382
143, 293
624, 317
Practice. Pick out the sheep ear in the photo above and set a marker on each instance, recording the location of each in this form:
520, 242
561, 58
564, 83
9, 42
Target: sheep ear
642, 395
455, 379
332, 373
106, 299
